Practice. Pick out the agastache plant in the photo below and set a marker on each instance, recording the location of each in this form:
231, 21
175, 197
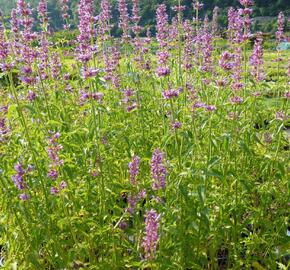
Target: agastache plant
188, 53
280, 30
43, 55
19, 180
158, 170
26, 37
53, 151
257, 60
162, 27
104, 18
124, 19
4, 46
151, 237
64, 14
85, 51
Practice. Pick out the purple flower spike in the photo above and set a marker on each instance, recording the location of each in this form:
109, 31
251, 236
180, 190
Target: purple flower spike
24, 197
134, 166
151, 237
54, 190
158, 170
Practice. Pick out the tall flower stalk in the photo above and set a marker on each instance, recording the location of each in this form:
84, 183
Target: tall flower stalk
150, 240
162, 28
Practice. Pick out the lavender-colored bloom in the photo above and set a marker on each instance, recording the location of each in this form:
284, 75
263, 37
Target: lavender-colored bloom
134, 169
197, 5
65, 16
31, 96
136, 17
188, 45
280, 30
89, 73
104, 19
42, 11
54, 190
171, 93
210, 108
256, 59
179, 8
24, 197
176, 125
85, 51
151, 237
133, 200
123, 225
281, 116
62, 185
4, 45
198, 105
236, 100
158, 170
163, 71
226, 61
53, 174
237, 69
98, 96
19, 180
205, 40
55, 66
4, 129
129, 99
112, 62
124, 19
247, 3
238, 26
162, 34
53, 152
162, 25
173, 31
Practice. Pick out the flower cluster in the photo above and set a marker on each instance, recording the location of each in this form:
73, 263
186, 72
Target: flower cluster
171, 93
226, 61
188, 45
86, 96
20, 182
256, 59
198, 105
124, 19
112, 62
104, 19
65, 15
280, 30
158, 170
85, 50
134, 169
133, 200
151, 237
4, 129
129, 99
53, 152
162, 28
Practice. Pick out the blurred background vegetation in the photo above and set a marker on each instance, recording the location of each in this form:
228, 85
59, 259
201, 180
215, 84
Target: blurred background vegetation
265, 11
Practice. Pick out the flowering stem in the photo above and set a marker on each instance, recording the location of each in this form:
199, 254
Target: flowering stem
23, 122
